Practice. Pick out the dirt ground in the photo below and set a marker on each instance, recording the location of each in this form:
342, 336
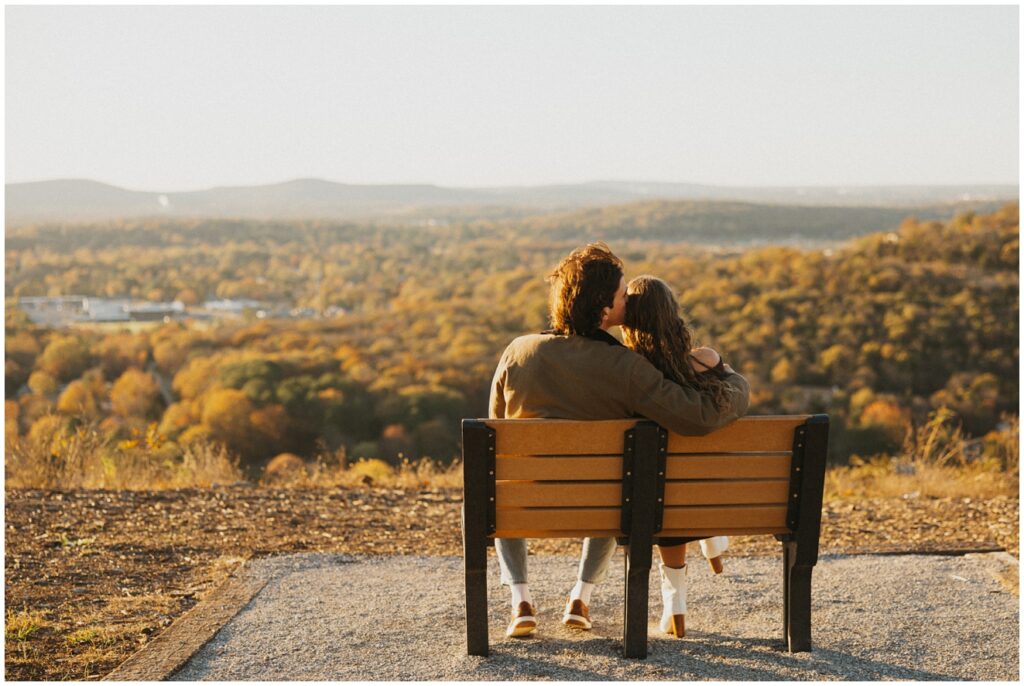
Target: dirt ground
93, 575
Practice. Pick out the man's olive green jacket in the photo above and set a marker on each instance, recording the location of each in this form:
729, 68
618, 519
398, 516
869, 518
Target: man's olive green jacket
578, 377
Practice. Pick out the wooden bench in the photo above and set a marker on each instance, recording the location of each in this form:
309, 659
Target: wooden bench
632, 479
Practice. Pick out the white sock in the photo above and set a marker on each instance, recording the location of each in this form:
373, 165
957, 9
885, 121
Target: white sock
520, 592
582, 591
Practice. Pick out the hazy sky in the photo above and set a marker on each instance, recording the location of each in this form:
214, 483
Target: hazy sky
180, 98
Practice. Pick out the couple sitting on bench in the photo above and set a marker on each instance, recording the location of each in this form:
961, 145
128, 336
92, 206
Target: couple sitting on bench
577, 370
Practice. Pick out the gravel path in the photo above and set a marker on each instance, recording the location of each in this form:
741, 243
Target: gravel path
914, 617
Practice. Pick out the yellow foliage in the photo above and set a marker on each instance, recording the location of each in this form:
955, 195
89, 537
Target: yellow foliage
177, 418
378, 470
47, 431
64, 358
169, 355
193, 434
783, 372
195, 377
136, 394
42, 383
77, 399
11, 411
227, 413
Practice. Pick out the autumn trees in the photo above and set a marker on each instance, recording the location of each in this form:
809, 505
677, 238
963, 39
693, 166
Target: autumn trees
879, 332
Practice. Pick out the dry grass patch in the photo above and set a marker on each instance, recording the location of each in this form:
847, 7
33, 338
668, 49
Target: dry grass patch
84, 457
333, 471
90, 635
938, 461
21, 625
90, 664
82, 636
154, 603
886, 477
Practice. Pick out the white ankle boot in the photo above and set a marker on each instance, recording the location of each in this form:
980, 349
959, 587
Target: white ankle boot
673, 598
713, 549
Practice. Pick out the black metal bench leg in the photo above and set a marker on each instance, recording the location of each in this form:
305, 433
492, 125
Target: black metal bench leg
796, 598
477, 524
638, 574
475, 555
787, 557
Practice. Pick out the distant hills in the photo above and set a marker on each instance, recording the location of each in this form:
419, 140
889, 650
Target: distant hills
74, 200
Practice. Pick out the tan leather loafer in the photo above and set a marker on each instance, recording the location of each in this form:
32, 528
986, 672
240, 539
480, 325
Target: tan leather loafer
716, 564
577, 614
524, 621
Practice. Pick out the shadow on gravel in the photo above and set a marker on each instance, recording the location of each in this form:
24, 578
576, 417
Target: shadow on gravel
717, 656
729, 653
500, 665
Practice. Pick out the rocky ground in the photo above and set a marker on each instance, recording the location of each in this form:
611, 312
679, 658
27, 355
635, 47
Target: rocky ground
93, 575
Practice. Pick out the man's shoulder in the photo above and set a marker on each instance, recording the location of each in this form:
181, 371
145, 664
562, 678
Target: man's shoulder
535, 339
545, 344
528, 344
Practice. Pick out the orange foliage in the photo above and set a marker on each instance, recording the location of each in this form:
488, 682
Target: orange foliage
136, 394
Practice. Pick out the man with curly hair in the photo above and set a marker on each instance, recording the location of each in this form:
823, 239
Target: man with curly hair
577, 370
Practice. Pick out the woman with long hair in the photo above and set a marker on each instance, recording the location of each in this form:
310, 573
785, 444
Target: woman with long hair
654, 328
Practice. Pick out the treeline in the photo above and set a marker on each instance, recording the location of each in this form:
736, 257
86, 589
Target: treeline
727, 223
878, 333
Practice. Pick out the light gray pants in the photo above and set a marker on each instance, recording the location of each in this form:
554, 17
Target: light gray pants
597, 553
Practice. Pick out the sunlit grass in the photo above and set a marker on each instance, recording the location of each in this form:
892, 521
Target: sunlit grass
21, 625
87, 635
86, 458
886, 477
936, 462
331, 473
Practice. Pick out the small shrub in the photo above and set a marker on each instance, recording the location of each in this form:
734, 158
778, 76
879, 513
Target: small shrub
377, 470
284, 468
1003, 444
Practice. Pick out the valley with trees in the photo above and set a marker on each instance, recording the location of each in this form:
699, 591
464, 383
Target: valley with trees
884, 332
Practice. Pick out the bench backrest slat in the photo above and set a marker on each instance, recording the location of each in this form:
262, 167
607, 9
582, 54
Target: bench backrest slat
569, 437
514, 494
558, 522
727, 492
746, 466
594, 521
751, 434
559, 468
605, 468
559, 436
726, 520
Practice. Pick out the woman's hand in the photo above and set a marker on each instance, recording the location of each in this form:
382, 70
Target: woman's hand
706, 355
